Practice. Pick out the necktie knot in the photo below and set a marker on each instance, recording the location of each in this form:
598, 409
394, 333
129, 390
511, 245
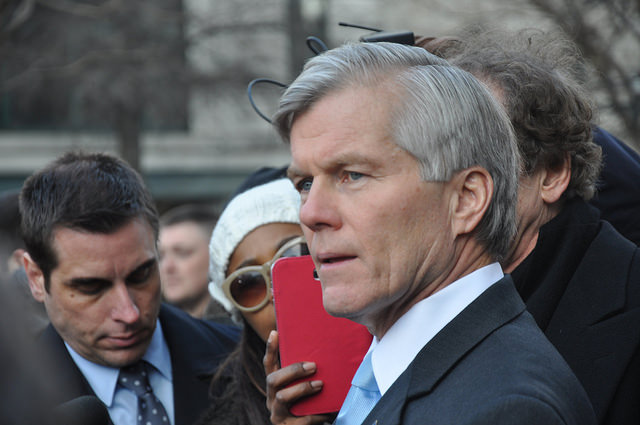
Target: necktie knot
364, 377
135, 378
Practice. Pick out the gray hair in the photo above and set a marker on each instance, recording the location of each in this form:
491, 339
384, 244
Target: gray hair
445, 118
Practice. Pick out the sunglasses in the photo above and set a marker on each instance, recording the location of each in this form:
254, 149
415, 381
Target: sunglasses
249, 288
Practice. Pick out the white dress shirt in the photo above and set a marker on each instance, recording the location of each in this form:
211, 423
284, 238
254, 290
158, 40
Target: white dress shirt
121, 403
403, 341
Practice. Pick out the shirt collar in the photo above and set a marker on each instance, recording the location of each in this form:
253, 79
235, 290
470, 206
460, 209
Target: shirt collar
158, 353
403, 341
103, 379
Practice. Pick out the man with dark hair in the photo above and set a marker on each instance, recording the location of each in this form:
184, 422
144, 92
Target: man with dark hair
183, 244
90, 229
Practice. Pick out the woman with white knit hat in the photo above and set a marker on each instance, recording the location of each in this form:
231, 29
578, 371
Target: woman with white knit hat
256, 227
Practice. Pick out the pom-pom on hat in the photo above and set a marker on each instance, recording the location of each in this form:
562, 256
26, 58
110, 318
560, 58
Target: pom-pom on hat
273, 202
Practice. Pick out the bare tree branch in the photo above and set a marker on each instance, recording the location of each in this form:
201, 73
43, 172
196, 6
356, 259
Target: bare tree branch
598, 43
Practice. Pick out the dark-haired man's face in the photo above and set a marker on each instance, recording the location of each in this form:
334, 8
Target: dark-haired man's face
104, 295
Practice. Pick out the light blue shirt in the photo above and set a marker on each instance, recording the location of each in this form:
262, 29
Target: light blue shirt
122, 403
392, 354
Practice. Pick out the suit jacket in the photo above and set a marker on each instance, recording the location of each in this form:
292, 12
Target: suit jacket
618, 196
490, 365
582, 285
196, 348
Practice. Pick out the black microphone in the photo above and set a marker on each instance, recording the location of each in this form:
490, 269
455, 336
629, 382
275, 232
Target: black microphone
85, 410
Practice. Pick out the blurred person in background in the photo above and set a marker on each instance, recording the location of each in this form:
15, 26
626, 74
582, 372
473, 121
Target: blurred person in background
257, 226
25, 397
183, 245
12, 271
11, 243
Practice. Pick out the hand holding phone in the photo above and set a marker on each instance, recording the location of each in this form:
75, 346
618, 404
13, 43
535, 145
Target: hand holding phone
308, 333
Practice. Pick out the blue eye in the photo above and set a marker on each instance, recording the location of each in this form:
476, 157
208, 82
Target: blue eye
354, 175
304, 185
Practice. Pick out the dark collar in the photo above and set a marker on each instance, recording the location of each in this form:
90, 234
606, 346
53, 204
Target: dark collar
542, 278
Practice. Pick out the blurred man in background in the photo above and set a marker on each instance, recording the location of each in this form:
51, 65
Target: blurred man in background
183, 245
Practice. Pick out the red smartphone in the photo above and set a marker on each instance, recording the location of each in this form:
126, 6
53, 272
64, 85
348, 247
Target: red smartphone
308, 333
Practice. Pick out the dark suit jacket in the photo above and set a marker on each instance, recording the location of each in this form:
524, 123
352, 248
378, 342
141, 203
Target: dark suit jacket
582, 285
490, 365
618, 196
196, 348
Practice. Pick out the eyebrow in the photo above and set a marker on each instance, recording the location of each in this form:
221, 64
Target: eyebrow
341, 160
147, 264
82, 281
87, 281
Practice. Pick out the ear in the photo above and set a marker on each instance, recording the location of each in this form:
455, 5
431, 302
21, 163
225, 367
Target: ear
35, 277
473, 191
15, 260
555, 181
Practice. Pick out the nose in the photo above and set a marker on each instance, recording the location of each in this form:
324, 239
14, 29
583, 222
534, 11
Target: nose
124, 308
167, 262
318, 208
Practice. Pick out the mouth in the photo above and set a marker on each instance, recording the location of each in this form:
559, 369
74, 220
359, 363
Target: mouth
127, 340
330, 259
171, 281
336, 259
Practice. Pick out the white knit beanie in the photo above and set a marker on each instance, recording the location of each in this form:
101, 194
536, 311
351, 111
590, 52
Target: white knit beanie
273, 202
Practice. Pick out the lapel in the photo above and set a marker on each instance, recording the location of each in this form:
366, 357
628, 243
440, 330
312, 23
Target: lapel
192, 365
70, 382
597, 318
496, 306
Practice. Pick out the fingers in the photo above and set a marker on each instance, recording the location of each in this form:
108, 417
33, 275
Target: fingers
271, 361
278, 380
284, 396
279, 394
280, 406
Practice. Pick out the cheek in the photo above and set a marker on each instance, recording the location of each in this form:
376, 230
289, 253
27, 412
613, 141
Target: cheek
148, 299
202, 263
262, 321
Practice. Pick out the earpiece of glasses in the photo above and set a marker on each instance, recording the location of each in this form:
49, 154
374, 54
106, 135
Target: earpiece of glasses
249, 288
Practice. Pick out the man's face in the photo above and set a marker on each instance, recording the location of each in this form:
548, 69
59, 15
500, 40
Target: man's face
379, 234
104, 295
184, 263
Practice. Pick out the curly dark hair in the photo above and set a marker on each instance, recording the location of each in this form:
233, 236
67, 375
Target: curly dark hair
538, 76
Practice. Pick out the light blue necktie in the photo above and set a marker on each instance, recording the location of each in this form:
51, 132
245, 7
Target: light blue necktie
362, 396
